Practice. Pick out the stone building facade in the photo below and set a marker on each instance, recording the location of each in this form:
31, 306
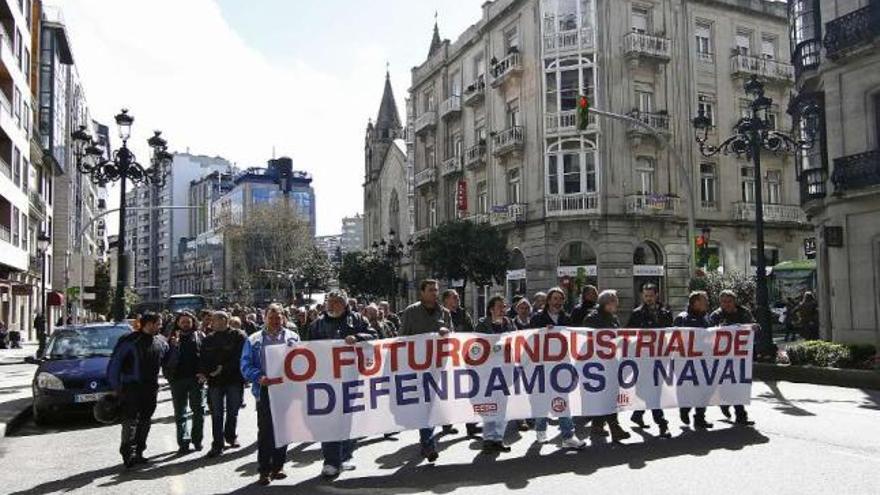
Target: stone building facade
837, 64
495, 139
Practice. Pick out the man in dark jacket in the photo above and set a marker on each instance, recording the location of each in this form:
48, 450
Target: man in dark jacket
589, 294
695, 317
650, 315
133, 373
461, 319
605, 316
181, 370
552, 314
426, 316
730, 313
392, 319
340, 323
221, 355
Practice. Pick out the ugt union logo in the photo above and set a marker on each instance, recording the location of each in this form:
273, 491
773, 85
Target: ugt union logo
558, 405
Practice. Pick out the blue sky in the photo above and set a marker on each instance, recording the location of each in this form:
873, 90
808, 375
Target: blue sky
236, 77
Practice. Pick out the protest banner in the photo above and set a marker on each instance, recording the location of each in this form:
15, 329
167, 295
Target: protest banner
327, 390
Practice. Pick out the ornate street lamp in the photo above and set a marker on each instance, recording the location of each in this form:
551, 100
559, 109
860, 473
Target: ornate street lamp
122, 166
752, 134
392, 250
42, 247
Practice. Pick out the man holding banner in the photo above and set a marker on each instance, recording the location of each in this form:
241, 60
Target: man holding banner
695, 317
339, 323
426, 316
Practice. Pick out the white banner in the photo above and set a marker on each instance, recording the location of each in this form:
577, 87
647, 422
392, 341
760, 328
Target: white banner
327, 390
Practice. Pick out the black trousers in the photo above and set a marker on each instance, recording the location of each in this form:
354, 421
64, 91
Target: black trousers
699, 414
270, 459
657, 414
138, 406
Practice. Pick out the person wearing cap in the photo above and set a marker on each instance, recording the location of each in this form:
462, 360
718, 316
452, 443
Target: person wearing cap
221, 354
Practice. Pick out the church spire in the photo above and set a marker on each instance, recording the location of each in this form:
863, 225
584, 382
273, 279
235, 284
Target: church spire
435, 40
388, 120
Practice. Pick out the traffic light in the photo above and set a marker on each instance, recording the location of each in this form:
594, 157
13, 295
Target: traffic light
583, 113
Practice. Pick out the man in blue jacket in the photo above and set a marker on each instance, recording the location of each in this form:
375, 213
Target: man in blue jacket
133, 373
270, 459
339, 322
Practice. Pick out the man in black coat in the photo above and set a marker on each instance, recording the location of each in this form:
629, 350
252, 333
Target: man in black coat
650, 315
552, 313
589, 294
730, 313
696, 316
220, 367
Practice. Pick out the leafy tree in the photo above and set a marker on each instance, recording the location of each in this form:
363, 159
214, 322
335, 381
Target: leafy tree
367, 275
103, 292
713, 283
317, 270
464, 250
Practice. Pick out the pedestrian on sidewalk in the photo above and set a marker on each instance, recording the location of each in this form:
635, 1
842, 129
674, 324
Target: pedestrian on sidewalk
270, 459
495, 322
187, 392
651, 314
338, 322
133, 373
605, 316
731, 313
696, 316
426, 316
221, 356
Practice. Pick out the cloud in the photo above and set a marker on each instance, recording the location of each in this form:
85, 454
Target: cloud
180, 67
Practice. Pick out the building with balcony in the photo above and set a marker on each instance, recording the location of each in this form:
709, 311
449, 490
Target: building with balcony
610, 202
837, 64
352, 237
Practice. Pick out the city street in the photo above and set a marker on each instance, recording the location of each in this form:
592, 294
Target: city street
809, 438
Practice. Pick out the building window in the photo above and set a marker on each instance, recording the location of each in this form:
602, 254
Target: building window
644, 175
640, 20
774, 187
645, 101
513, 116
482, 197
15, 228
514, 187
708, 186
16, 167
564, 81
876, 121
428, 101
747, 177
706, 105
743, 42
511, 39
768, 47
553, 174
571, 174
16, 103
704, 42
478, 66
429, 157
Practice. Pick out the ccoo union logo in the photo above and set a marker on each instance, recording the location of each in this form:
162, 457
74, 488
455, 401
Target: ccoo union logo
486, 408
558, 405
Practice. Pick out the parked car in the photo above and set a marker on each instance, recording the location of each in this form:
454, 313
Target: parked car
72, 373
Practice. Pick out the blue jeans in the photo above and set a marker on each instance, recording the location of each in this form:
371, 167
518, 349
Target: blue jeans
187, 393
566, 426
493, 431
335, 453
232, 396
269, 458
426, 438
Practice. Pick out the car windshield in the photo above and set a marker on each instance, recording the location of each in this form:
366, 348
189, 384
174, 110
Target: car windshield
84, 341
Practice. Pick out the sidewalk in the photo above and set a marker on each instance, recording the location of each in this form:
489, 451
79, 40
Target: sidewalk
15, 385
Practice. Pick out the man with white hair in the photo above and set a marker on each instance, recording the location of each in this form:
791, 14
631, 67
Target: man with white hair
340, 322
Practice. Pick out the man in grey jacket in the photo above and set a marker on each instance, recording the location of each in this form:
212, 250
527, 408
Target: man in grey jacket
426, 316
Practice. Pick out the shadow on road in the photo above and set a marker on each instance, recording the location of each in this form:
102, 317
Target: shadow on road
516, 473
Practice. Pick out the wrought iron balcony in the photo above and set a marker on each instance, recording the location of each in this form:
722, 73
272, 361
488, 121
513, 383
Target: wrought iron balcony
561, 123
651, 204
510, 213
478, 218
505, 68
426, 177
645, 46
426, 121
450, 166
852, 32
772, 213
450, 107
38, 204
475, 92
657, 120
856, 171
769, 69
572, 40
509, 140
475, 156
561, 205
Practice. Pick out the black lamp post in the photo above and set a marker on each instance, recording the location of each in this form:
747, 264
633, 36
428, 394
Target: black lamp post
91, 161
42, 246
392, 250
752, 134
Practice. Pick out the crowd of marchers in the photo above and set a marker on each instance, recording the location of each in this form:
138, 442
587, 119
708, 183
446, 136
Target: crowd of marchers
216, 354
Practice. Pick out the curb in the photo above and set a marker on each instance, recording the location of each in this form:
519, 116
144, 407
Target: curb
865, 379
20, 417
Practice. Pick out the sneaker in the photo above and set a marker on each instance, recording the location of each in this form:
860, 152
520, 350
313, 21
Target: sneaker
430, 453
573, 443
233, 444
541, 436
264, 480
725, 410
347, 466
702, 424
329, 471
278, 475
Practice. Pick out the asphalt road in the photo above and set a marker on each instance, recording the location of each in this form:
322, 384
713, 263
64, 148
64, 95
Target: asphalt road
809, 439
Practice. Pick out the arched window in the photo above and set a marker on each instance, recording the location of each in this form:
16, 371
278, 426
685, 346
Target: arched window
394, 213
516, 274
577, 253
517, 259
647, 253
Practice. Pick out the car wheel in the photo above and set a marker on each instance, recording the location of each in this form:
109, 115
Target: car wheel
41, 416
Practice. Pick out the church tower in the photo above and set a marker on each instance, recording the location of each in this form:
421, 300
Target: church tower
378, 140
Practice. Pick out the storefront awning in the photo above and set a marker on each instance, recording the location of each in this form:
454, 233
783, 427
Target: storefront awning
55, 298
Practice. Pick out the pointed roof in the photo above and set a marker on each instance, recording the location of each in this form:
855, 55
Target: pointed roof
435, 41
388, 117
